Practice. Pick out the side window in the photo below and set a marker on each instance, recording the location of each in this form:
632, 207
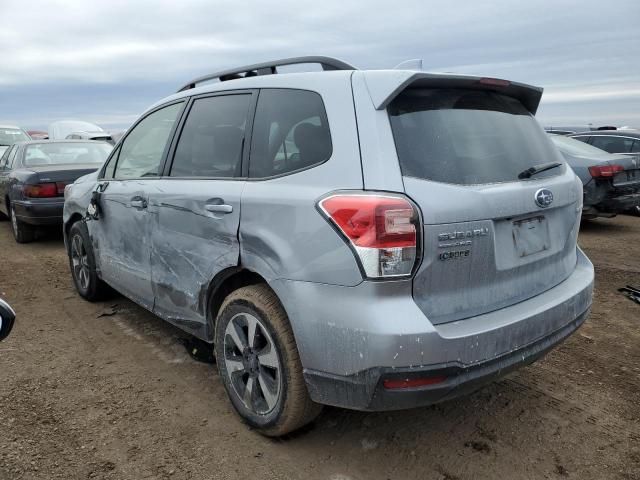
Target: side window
141, 152
111, 166
290, 132
4, 157
612, 144
211, 141
636, 146
584, 139
11, 157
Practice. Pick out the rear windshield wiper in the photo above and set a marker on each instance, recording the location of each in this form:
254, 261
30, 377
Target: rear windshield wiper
543, 167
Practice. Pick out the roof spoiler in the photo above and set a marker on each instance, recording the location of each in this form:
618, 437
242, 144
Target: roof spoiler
385, 85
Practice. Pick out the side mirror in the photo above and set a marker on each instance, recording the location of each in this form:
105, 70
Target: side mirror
7, 318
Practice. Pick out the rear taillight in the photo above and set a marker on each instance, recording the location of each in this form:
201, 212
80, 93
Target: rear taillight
41, 190
383, 231
44, 190
604, 171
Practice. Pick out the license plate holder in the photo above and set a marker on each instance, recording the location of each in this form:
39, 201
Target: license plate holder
531, 236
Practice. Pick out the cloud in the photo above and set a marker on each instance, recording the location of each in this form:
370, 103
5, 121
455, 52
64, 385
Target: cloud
111, 59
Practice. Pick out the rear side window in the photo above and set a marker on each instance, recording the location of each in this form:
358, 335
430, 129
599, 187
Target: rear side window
636, 147
290, 133
467, 137
142, 151
612, 144
212, 139
584, 139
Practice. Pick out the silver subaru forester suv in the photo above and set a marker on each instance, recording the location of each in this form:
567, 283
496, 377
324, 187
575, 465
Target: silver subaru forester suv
373, 240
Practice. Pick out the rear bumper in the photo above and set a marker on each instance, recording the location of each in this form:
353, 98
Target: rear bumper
41, 212
619, 203
375, 331
366, 391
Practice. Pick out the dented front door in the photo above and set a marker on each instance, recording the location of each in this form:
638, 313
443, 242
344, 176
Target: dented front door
122, 238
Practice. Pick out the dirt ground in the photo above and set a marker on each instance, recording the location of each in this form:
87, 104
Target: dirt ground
92, 391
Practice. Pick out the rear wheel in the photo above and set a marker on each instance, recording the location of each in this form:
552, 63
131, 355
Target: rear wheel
22, 232
259, 363
83, 266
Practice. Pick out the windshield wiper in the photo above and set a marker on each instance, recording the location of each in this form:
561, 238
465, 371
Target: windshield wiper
543, 167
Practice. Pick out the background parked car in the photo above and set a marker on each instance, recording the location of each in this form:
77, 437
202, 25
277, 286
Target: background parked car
626, 142
98, 136
38, 134
611, 181
567, 129
10, 135
60, 130
33, 176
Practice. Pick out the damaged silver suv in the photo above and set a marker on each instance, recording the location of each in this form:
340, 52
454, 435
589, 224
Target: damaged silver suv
373, 240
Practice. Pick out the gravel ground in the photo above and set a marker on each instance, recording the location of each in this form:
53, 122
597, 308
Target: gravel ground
108, 391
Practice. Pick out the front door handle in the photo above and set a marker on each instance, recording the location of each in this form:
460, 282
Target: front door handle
138, 202
221, 208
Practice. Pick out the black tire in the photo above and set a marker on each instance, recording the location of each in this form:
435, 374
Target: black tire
82, 264
22, 232
293, 407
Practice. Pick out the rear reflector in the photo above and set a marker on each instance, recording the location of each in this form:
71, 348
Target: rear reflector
383, 231
603, 171
496, 82
394, 384
41, 190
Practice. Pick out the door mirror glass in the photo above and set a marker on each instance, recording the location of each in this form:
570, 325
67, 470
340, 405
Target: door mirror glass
7, 319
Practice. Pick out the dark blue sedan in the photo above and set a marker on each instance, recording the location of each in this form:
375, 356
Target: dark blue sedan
33, 176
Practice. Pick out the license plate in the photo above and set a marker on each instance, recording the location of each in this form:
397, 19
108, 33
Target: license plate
531, 236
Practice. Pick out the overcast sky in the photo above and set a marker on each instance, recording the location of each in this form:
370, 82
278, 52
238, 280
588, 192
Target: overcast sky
106, 61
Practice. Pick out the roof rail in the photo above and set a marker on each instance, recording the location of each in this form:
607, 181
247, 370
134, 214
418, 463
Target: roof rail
269, 68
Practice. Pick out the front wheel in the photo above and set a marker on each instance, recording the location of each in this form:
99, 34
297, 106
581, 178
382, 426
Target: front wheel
83, 265
259, 363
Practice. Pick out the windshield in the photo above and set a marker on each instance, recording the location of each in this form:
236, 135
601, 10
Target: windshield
9, 136
467, 137
66, 153
575, 147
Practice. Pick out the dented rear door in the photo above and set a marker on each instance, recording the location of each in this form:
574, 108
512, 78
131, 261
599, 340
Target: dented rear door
197, 207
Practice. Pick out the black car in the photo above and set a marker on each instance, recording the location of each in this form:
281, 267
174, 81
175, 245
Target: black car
33, 175
611, 182
626, 142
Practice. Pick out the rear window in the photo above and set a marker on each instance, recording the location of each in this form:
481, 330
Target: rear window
9, 136
612, 144
575, 147
65, 153
467, 137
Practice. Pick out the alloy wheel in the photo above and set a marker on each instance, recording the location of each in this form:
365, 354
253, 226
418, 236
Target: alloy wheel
80, 262
252, 363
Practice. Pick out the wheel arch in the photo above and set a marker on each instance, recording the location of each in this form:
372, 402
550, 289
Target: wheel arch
222, 285
76, 217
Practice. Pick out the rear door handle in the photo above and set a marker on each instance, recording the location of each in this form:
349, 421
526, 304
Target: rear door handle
221, 208
138, 202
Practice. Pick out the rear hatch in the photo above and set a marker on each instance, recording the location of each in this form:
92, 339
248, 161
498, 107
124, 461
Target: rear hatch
491, 239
